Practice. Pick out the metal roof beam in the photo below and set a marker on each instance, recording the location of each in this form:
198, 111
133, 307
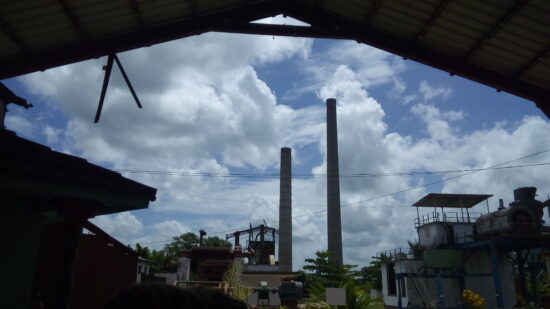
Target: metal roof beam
41, 59
13, 36
137, 14
74, 20
497, 27
431, 21
529, 65
282, 30
408, 49
193, 6
372, 11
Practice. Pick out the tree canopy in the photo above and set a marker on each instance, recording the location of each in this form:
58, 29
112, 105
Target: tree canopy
325, 271
166, 259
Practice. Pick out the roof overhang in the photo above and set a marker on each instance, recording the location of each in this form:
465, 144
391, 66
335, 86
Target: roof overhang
47, 180
446, 200
502, 45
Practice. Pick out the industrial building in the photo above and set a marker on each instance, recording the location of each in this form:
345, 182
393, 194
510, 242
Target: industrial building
48, 198
205, 266
502, 44
461, 250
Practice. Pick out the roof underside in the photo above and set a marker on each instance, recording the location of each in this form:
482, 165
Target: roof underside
503, 44
35, 171
451, 200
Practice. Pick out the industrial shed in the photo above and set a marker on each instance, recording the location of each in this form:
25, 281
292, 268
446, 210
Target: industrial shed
502, 44
47, 198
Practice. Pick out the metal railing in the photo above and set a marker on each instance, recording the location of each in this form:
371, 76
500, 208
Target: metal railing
427, 218
457, 217
193, 284
453, 217
394, 254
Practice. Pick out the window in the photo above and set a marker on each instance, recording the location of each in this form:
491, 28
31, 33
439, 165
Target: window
392, 284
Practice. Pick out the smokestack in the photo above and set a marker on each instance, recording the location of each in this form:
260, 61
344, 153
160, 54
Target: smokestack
285, 212
334, 224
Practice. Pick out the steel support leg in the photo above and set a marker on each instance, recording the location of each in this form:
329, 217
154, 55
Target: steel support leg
496, 274
533, 278
462, 283
440, 293
522, 276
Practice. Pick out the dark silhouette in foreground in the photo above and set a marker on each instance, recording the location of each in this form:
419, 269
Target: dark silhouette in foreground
148, 296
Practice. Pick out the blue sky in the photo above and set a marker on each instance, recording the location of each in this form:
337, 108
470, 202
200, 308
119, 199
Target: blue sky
223, 104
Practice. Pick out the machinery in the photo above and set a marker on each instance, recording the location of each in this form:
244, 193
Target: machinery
261, 241
523, 216
290, 292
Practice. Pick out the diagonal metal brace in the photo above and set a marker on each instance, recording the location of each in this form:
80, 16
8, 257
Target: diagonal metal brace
108, 68
127, 81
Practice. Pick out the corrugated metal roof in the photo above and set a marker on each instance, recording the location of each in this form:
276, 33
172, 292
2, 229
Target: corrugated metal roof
447, 200
504, 44
33, 170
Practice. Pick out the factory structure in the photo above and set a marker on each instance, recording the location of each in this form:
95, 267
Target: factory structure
256, 254
205, 266
495, 254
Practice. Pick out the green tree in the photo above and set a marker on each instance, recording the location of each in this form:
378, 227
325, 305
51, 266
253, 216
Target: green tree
371, 275
183, 242
143, 252
326, 271
158, 261
321, 272
215, 241
158, 258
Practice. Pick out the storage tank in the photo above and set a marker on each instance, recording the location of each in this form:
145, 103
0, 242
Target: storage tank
523, 216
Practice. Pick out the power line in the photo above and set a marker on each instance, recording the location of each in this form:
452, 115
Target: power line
355, 175
496, 166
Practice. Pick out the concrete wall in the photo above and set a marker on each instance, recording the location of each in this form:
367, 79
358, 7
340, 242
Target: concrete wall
463, 232
432, 234
171, 278
480, 262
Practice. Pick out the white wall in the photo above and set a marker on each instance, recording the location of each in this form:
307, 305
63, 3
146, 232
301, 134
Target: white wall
171, 278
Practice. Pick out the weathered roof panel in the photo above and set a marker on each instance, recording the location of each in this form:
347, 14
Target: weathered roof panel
503, 44
30, 169
447, 200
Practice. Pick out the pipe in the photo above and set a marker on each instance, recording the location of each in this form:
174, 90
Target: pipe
202, 233
285, 211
